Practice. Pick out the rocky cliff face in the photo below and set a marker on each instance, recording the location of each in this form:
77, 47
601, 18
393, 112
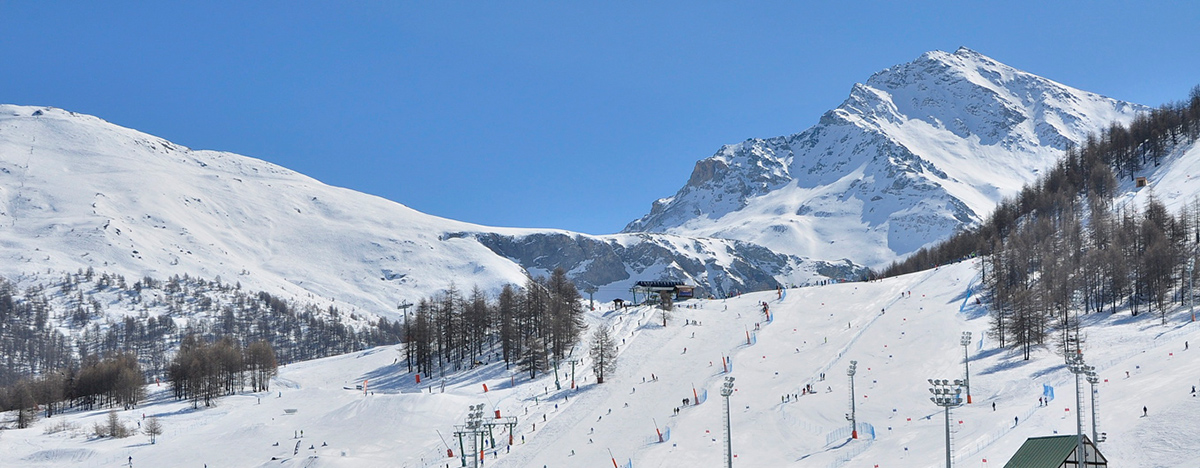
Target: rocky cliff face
720, 267
918, 151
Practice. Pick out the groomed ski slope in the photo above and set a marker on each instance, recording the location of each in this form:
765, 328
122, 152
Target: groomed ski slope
899, 342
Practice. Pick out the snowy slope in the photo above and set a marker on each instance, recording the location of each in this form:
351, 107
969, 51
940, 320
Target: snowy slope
918, 151
897, 341
76, 191
1175, 182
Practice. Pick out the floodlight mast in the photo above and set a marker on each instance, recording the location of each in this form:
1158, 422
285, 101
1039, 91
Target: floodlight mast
853, 422
1093, 379
476, 422
474, 429
726, 391
946, 394
1191, 269
1076, 365
966, 343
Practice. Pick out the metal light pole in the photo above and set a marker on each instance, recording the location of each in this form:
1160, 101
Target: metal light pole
726, 391
1093, 379
1076, 366
477, 421
1191, 285
853, 423
966, 342
407, 351
946, 394
472, 428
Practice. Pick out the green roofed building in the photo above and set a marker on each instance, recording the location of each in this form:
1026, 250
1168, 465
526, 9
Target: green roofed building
1056, 452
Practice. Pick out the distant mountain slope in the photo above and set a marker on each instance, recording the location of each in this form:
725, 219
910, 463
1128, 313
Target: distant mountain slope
76, 191
918, 151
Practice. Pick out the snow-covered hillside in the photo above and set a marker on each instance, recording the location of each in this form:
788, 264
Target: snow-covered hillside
1175, 182
79, 192
918, 151
901, 331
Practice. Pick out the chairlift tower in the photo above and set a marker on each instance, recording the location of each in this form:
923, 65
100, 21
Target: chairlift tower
591, 292
557, 382
509, 422
573, 362
407, 345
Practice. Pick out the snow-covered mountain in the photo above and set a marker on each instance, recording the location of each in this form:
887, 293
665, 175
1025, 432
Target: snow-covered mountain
920, 150
79, 192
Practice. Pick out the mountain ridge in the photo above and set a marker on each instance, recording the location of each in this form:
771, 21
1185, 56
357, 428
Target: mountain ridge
78, 192
918, 151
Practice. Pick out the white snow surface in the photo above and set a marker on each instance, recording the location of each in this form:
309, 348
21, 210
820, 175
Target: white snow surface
76, 191
79, 192
920, 150
898, 340
1175, 183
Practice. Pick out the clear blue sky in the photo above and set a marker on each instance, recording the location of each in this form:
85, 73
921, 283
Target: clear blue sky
538, 114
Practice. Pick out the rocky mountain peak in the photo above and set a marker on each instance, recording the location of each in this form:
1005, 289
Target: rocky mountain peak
915, 152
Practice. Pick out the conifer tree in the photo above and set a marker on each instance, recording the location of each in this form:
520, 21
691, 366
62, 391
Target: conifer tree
153, 428
603, 351
506, 314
